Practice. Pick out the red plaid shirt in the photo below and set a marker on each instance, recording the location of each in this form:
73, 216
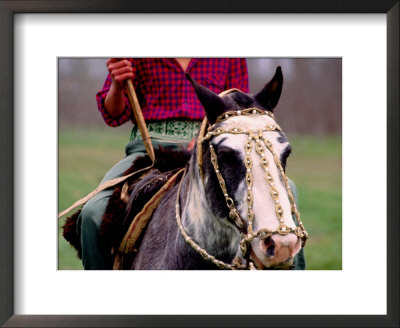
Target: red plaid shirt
165, 93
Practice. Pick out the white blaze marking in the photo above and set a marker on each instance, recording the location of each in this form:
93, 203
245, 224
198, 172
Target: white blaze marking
263, 204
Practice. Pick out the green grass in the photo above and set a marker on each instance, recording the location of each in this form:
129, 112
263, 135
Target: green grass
316, 168
85, 155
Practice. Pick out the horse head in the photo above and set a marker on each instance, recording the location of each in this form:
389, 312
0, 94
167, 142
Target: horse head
243, 156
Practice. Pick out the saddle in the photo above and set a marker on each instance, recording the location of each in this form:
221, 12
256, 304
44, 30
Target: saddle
132, 203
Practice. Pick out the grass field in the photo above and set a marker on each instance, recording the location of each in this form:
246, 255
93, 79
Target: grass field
315, 166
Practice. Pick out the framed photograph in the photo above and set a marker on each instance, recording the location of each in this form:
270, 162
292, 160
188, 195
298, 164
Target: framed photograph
35, 36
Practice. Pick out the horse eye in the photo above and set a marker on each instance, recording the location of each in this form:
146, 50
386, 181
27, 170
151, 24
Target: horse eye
231, 165
284, 156
226, 154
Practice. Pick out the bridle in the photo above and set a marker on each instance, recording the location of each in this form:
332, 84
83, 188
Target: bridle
262, 144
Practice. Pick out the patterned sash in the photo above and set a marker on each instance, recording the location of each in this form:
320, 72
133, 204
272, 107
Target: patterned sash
174, 131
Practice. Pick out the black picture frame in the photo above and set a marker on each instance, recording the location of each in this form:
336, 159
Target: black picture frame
7, 201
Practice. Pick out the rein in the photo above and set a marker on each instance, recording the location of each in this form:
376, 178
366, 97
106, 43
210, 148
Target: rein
262, 144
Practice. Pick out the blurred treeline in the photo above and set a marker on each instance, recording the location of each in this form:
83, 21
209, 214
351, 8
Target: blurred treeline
311, 101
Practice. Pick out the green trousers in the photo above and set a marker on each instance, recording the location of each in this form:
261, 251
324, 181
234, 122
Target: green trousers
94, 255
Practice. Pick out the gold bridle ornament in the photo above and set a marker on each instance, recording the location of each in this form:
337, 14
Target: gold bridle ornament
257, 137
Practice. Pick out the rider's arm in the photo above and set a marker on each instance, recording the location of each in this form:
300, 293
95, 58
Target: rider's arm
111, 99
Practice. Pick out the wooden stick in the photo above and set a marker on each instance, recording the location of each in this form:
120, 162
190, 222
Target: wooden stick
137, 112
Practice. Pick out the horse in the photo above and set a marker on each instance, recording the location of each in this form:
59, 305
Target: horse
231, 206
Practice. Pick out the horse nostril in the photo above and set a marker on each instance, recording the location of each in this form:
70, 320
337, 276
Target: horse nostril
270, 245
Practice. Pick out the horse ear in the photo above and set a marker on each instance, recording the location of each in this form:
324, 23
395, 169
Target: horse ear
269, 96
213, 104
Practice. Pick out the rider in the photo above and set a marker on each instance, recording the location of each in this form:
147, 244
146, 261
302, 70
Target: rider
173, 115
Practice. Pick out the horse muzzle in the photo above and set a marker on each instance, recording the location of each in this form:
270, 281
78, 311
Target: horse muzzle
276, 251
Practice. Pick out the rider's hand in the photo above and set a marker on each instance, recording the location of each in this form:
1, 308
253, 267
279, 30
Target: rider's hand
120, 70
